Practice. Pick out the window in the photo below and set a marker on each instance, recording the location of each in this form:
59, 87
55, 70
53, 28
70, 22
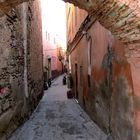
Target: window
89, 81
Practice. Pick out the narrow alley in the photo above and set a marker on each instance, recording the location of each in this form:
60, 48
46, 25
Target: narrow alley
96, 43
58, 118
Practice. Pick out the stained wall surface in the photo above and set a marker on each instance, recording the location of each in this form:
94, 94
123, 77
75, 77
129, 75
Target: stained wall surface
106, 79
21, 70
107, 93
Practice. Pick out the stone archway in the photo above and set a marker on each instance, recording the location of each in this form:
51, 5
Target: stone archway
122, 18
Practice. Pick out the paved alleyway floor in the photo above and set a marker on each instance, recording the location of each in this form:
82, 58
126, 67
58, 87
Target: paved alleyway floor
58, 118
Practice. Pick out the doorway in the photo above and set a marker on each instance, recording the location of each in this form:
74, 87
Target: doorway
76, 81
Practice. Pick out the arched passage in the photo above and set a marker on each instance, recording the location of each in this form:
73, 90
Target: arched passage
122, 18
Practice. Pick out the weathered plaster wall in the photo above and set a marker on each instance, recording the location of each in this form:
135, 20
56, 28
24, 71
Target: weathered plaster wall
35, 53
75, 17
109, 96
21, 83
133, 55
122, 103
11, 72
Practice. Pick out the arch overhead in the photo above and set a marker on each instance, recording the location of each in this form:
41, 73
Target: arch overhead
122, 18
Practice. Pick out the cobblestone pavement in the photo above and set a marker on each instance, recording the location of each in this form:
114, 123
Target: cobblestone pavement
58, 118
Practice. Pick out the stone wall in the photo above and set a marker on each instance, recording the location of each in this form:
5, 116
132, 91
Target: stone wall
34, 53
21, 73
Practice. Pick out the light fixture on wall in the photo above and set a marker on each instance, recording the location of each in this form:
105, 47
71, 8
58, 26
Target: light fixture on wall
49, 58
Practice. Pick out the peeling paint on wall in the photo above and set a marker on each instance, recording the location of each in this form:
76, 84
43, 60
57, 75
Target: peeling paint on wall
20, 77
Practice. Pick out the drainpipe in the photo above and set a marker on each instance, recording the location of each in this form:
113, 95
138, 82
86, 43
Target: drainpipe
70, 63
24, 12
89, 41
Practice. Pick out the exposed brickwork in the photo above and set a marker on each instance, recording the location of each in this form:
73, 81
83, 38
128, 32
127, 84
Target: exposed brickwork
120, 17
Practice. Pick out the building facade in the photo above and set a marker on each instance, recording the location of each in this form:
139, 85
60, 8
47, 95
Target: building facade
103, 75
54, 36
21, 65
52, 51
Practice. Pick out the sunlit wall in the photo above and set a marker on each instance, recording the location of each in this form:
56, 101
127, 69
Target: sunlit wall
54, 19
53, 31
